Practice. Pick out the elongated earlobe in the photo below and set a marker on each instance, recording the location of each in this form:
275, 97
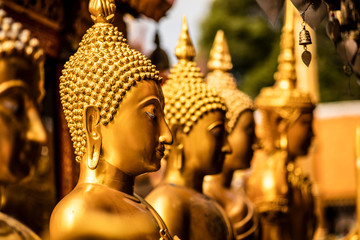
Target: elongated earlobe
178, 147
179, 158
93, 135
282, 129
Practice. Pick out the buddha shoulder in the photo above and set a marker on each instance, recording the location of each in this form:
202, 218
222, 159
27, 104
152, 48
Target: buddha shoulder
174, 193
179, 206
168, 195
93, 211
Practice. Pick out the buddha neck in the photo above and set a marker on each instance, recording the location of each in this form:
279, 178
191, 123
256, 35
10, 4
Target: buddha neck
107, 175
290, 158
224, 178
185, 176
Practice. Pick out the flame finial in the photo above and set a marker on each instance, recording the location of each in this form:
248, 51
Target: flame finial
102, 11
220, 58
185, 48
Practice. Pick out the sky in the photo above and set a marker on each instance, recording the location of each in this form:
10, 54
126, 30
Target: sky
169, 26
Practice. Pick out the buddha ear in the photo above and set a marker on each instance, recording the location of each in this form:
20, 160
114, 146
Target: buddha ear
178, 147
93, 135
178, 134
282, 124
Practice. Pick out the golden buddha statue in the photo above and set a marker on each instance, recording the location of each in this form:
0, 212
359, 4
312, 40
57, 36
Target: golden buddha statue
113, 105
22, 132
280, 191
196, 116
241, 128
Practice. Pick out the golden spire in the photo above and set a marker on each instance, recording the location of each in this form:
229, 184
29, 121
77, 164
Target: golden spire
224, 82
187, 96
284, 94
220, 58
184, 48
285, 77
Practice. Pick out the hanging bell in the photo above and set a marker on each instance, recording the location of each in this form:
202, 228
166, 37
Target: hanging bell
304, 37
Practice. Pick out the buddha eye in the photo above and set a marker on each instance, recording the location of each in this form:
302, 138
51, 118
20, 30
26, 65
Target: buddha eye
16, 107
152, 116
217, 129
217, 132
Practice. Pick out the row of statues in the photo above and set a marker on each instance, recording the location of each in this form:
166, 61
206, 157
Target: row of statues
22, 132
123, 122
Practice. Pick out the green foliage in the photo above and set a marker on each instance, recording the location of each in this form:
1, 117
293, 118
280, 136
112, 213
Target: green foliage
261, 75
248, 34
254, 48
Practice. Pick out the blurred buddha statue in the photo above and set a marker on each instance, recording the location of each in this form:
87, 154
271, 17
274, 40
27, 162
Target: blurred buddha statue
113, 105
160, 59
196, 116
241, 128
280, 191
22, 132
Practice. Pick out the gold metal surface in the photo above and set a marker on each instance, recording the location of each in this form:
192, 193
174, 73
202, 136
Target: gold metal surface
241, 127
196, 116
22, 132
113, 104
280, 191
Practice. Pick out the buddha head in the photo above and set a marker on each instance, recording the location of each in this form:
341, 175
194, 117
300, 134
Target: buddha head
22, 133
195, 113
112, 100
287, 112
240, 119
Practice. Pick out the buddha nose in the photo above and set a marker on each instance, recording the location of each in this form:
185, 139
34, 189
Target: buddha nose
165, 134
226, 148
36, 130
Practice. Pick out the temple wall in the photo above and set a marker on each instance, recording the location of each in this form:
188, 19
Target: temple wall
331, 158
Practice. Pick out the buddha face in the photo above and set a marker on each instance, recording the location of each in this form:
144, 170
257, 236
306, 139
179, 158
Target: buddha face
206, 144
300, 134
134, 140
241, 139
21, 131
